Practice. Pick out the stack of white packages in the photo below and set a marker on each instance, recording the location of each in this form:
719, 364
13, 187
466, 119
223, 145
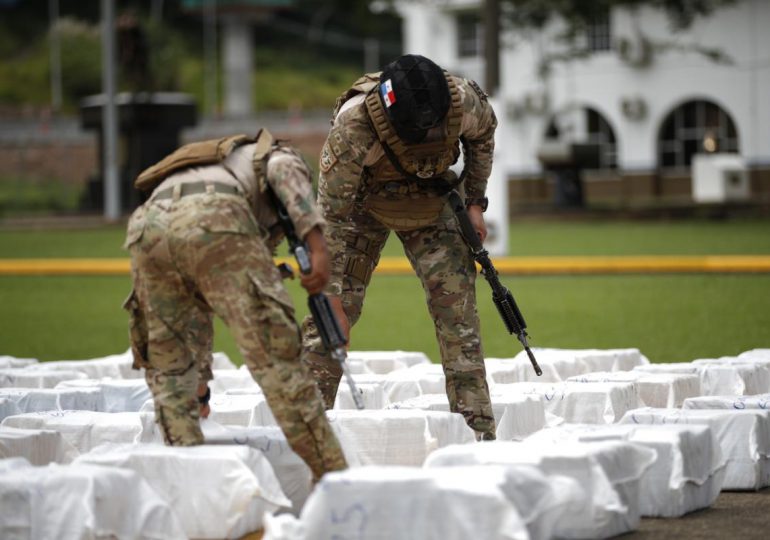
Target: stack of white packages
115, 366
744, 437
687, 474
29, 400
232, 379
38, 446
715, 380
215, 491
516, 416
396, 437
292, 473
243, 408
583, 403
81, 501
430, 377
401, 502
118, 395
561, 364
607, 472
395, 389
756, 354
664, 390
14, 362
34, 376
86, 429
759, 401
755, 375
383, 362
372, 395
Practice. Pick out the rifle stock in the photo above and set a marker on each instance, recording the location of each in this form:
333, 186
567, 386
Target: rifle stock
501, 296
320, 308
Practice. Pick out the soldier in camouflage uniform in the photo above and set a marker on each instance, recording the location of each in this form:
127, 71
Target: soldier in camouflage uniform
201, 245
385, 166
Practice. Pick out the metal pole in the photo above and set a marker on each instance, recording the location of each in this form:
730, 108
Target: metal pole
371, 55
109, 114
210, 56
55, 55
492, 46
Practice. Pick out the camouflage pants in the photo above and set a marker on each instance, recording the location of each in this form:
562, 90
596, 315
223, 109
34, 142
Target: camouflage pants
204, 253
443, 263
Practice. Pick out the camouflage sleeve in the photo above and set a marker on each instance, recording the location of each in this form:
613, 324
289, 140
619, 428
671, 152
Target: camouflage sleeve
342, 165
289, 176
478, 130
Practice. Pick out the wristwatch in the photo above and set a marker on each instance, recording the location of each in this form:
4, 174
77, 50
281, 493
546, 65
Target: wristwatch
483, 202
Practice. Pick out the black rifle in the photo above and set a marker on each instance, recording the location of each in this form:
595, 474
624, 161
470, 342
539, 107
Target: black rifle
320, 308
501, 296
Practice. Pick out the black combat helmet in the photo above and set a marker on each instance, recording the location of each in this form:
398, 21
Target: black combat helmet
415, 94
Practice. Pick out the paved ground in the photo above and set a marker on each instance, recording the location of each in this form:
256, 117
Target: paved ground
741, 515
744, 515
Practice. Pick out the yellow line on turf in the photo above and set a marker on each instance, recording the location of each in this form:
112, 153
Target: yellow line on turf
400, 266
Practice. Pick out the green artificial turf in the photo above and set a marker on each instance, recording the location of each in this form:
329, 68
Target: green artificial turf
669, 317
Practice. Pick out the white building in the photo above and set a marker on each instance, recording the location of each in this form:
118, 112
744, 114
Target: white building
649, 97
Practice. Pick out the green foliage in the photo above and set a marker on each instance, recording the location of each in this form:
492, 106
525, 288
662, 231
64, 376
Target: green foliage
29, 196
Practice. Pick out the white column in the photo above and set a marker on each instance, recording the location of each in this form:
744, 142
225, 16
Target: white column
109, 115
496, 216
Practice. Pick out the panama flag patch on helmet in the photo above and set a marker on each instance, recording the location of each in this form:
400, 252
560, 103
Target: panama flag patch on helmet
386, 89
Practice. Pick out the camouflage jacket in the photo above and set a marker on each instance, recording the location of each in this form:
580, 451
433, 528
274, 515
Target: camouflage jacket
352, 146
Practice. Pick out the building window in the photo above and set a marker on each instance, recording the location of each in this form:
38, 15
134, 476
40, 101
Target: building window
693, 128
600, 132
597, 132
470, 35
599, 35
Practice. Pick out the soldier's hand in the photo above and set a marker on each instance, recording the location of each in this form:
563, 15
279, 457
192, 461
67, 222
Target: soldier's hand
476, 216
204, 394
316, 280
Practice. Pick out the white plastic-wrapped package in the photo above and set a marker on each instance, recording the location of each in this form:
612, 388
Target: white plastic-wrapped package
14, 362
73, 502
561, 364
372, 394
86, 429
54, 399
715, 380
396, 437
383, 503
115, 366
8, 407
743, 435
755, 375
38, 446
232, 379
608, 472
119, 395
220, 360
383, 362
756, 354
655, 389
430, 377
215, 491
292, 473
587, 403
394, 389
516, 416
245, 409
759, 401
35, 377
687, 474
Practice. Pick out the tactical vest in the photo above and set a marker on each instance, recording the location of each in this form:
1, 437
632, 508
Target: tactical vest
408, 194
203, 153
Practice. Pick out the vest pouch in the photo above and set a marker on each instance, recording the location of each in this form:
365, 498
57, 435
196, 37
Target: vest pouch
405, 214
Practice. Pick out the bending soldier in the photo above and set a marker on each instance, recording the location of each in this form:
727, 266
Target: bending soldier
385, 167
202, 244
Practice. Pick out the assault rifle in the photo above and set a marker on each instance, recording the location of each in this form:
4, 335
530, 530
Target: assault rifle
320, 308
501, 296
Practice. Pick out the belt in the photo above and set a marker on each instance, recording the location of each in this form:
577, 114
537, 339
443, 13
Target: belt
195, 188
